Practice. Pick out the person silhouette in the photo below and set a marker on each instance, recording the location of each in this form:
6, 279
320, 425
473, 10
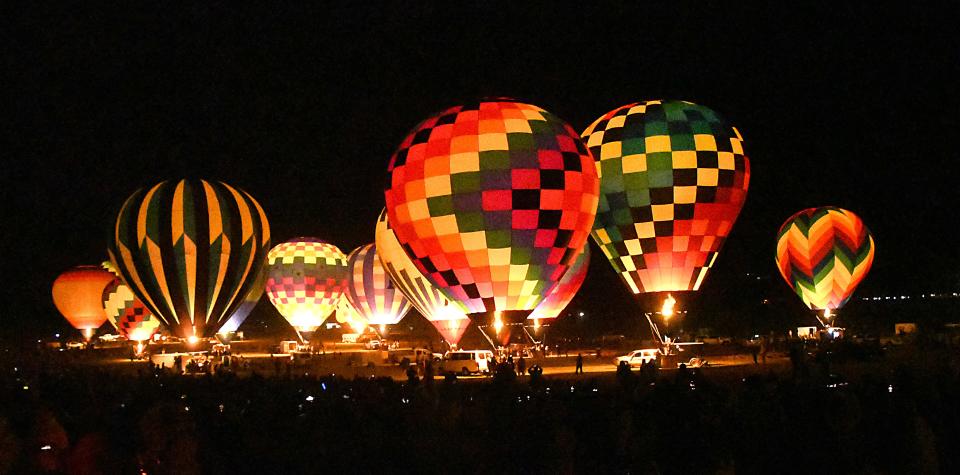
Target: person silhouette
579, 369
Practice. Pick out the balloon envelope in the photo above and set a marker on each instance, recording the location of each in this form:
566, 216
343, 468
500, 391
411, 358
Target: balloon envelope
823, 254
673, 177
190, 250
77, 294
448, 318
347, 315
370, 289
127, 313
249, 302
561, 295
492, 201
306, 278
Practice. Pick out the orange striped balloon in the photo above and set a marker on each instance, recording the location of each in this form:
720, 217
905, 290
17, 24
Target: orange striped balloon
823, 254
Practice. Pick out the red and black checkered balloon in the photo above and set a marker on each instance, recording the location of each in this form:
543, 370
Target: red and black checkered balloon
492, 202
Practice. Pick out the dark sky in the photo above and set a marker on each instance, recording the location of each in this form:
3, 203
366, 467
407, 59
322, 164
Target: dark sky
302, 105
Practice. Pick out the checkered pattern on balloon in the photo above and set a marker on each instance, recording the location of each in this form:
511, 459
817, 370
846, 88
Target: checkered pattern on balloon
306, 278
492, 202
674, 177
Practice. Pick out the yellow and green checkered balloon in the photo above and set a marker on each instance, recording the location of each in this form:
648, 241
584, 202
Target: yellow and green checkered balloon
673, 177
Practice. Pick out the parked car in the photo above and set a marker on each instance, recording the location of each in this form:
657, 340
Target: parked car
372, 344
715, 340
424, 353
466, 362
638, 357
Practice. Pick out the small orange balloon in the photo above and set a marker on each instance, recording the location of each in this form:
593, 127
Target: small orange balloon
78, 295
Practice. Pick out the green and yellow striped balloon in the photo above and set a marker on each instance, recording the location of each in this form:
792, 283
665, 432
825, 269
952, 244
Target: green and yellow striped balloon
191, 251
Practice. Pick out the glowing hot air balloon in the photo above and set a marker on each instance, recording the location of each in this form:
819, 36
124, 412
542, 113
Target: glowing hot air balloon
371, 291
77, 294
673, 177
305, 279
492, 201
448, 318
129, 316
347, 315
561, 295
823, 254
125, 311
228, 330
190, 250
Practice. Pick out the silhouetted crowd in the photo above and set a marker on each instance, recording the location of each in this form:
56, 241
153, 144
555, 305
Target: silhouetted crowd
881, 415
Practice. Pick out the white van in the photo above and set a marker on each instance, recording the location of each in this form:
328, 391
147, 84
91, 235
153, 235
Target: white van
638, 357
467, 362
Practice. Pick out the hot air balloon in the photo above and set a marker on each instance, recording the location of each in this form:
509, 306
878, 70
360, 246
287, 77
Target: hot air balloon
190, 250
564, 291
125, 311
370, 290
673, 177
347, 315
448, 318
305, 279
129, 316
77, 294
492, 201
228, 331
823, 254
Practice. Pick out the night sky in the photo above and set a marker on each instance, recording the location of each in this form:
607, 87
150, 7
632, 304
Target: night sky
302, 106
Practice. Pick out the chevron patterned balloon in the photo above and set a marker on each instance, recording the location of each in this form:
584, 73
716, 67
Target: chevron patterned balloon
371, 291
673, 177
127, 313
190, 250
823, 254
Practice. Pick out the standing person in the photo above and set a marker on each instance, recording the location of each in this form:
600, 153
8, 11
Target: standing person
521, 366
753, 352
763, 349
579, 369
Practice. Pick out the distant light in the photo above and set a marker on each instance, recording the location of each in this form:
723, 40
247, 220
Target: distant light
56, 335
193, 339
186, 408
46, 447
890, 388
26, 388
309, 398
581, 314
323, 386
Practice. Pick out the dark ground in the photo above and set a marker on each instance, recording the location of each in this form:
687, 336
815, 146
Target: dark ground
862, 410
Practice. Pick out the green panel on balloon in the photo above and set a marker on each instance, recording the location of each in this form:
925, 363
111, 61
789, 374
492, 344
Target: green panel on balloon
668, 162
199, 257
538, 188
